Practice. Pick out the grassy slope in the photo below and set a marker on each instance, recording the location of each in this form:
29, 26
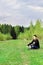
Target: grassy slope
15, 52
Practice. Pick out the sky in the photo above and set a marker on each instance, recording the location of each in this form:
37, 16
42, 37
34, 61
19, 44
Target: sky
20, 12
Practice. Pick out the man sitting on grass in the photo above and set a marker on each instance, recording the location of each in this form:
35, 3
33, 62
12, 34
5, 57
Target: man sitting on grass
35, 43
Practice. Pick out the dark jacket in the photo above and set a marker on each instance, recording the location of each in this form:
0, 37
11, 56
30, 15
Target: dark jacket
35, 43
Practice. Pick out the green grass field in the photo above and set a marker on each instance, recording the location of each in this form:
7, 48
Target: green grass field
15, 52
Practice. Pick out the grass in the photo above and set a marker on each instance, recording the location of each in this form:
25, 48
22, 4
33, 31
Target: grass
15, 52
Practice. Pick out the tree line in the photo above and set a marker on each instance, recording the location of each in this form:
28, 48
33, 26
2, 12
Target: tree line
10, 31
19, 32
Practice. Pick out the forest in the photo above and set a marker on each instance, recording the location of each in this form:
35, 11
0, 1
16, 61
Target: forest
8, 32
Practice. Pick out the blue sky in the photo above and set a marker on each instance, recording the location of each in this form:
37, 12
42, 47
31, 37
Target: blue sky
20, 12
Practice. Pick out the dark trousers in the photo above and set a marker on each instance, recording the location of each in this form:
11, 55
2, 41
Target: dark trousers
34, 47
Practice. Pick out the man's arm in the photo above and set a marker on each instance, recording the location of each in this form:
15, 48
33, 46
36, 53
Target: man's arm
30, 43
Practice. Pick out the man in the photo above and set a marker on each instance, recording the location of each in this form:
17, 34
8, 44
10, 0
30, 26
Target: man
35, 43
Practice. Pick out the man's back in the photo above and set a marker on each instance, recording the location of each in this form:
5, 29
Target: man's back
36, 43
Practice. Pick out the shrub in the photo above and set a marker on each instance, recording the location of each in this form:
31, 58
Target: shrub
8, 36
5, 37
2, 37
26, 35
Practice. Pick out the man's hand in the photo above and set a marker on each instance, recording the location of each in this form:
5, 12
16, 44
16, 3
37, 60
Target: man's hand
28, 45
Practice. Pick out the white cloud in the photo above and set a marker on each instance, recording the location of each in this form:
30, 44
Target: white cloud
36, 8
20, 11
11, 3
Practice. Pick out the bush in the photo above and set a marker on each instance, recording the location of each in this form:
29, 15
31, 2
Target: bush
26, 35
5, 37
8, 36
2, 37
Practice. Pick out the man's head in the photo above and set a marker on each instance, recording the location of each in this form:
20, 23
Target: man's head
34, 37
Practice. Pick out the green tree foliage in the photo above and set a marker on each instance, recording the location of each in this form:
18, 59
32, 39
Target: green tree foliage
13, 33
38, 25
37, 28
31, 30
9, 32
5, 28
17, 30
22, 29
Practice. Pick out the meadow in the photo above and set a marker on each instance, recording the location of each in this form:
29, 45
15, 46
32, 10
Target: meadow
15, 52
